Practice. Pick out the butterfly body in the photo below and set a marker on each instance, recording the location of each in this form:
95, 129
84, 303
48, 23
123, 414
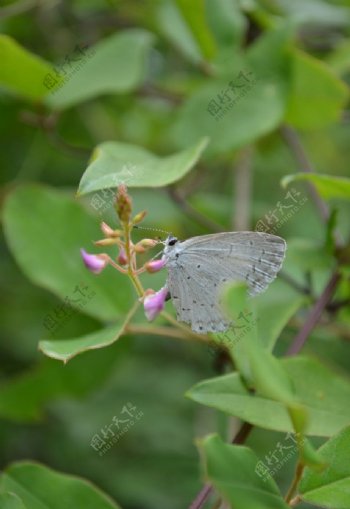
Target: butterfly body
200, 266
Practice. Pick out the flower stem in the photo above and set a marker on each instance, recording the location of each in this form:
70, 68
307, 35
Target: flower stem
292, 489
131, 269
295, 501
159, 331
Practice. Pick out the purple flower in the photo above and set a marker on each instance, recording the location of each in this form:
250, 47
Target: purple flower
95, 263
154, 303
155, 265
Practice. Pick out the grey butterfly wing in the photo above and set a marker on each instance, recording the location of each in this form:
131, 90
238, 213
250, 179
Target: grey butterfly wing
205, 263
195, 298
254, 257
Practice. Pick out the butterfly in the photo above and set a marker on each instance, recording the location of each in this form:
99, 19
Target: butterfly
198, 268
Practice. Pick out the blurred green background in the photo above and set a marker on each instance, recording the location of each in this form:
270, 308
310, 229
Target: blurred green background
160, 64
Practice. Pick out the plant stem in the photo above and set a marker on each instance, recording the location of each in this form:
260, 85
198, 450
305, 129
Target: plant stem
131, 269
314, 315
201, 497
158, 331
298, 473
295, 501
292, 140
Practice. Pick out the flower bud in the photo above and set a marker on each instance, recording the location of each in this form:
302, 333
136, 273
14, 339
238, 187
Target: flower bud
139, 217
105, 242
148, 243
139, 249
122, 259
95, 263
155, 265
153, 303
108, 231
123, 204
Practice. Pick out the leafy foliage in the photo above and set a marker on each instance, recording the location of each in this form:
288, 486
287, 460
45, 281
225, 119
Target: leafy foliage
27, 479
193, 117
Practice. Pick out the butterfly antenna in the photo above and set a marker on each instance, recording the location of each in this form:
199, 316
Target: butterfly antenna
152, 229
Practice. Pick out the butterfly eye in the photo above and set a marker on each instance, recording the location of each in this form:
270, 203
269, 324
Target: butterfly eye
172, 241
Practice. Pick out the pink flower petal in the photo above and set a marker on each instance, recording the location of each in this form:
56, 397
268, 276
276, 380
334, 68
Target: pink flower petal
154, 303
95, 263
155, 265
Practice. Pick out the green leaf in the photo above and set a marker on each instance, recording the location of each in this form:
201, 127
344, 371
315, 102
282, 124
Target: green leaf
23, 397
270, 378
232, 471
327, 185
266, 373
238, 339
10, 501
235, 299
194, 13
21, 72
256, 321
114, 163
331, 487
233, 117
226, 21
115, 65
309, 255
40, 487
322, 393
66, 349
174, 28
339, 59
317, 96
310, 456
273, 310
45, 230
260, 319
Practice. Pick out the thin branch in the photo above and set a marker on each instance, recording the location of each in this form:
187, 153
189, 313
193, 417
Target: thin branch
202, 497
243, 433
292, 140
314, 315
161, 331
298, 473
192, 212
295, 501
